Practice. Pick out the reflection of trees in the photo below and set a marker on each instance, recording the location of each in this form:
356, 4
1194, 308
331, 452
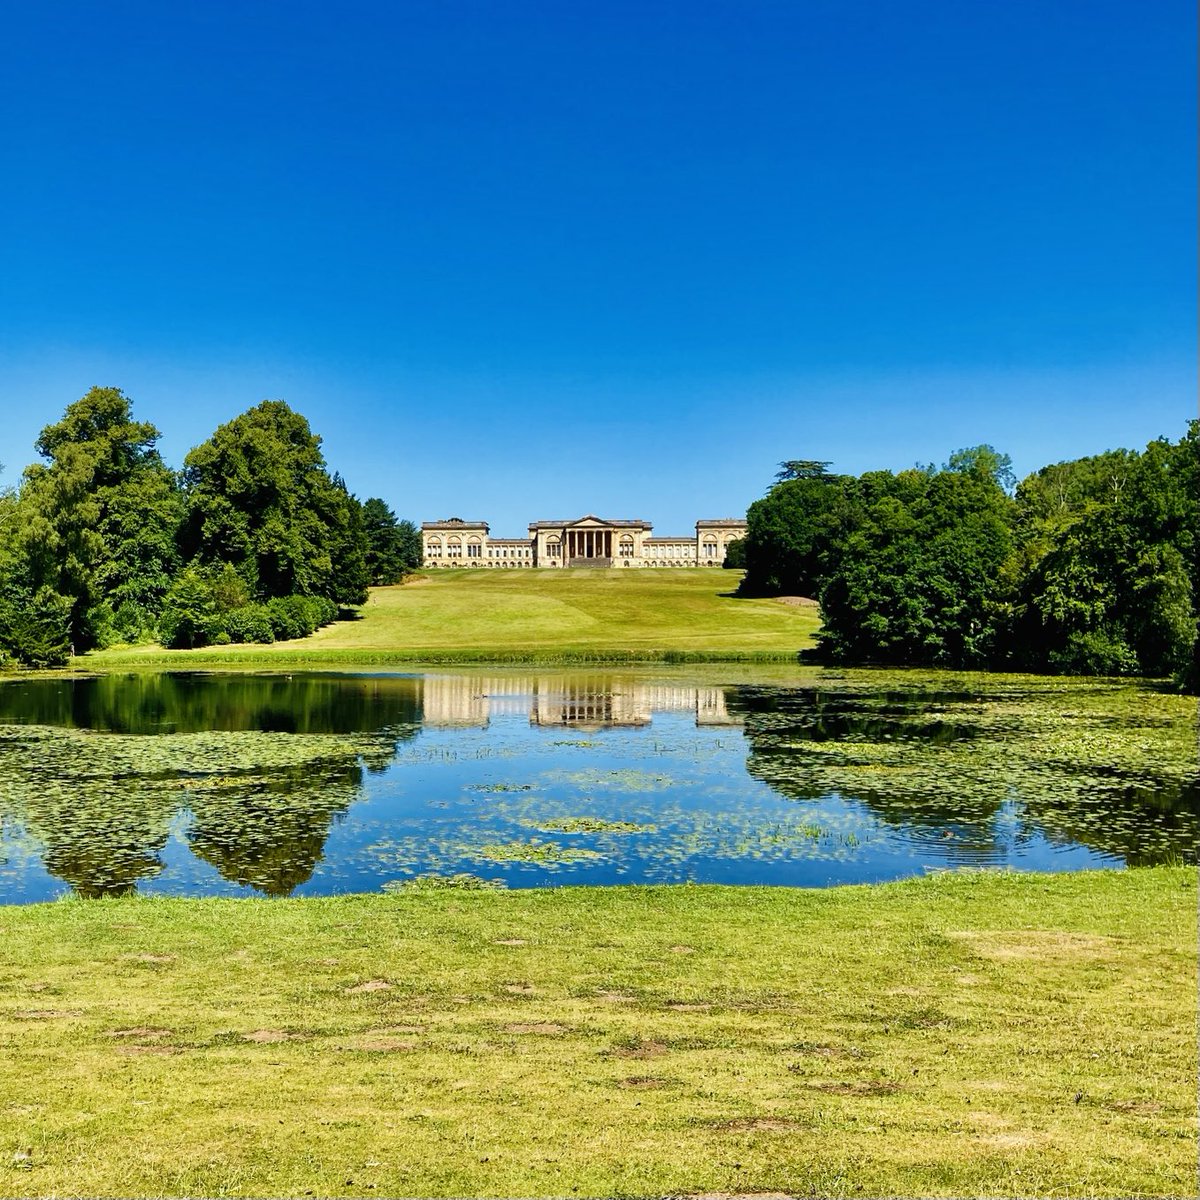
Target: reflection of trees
196, 702
101, 805
103, 843
1144, 826
269, 833
946, 781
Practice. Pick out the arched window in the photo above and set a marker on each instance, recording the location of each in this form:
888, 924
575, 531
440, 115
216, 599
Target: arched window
454, 548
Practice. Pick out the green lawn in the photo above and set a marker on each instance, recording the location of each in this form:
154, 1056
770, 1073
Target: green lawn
636, 614
957, 1035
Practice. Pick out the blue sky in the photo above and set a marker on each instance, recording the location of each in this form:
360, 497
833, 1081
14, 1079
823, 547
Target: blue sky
529, 259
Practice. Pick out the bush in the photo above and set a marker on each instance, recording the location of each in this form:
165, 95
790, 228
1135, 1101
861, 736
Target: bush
189, 613
298, 616
1096, 652
290, 617
325, 609
132, 623
250, 623
221, 638
37, 629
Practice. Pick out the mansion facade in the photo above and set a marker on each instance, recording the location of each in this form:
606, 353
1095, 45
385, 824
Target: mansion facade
587, 542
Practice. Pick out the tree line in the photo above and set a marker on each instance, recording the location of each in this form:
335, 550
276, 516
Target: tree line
253, 540
1084, 567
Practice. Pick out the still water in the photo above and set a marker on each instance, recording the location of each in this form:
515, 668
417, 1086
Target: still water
276, 784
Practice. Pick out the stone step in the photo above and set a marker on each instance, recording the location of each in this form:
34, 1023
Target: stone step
589, 562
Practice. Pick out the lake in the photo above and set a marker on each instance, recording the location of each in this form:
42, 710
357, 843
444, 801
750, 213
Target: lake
242, 783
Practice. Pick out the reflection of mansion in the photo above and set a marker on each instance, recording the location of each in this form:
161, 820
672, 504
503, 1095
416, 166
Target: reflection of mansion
555, 700
587, 542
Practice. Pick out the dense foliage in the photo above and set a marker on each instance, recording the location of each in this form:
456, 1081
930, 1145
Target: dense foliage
254, 540
260, 498
393, 547
1087, 567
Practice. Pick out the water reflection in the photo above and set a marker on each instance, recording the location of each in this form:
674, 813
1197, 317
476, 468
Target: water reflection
984, 808
583, 701
273, 783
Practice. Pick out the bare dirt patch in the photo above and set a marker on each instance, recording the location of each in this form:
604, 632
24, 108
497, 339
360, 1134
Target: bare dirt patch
683, 949
46, 1014
520, 989
642, 1050
511, 942
1143, 1108
153, 958
854, 1087
145, 1033
798, 601
822, 1050
271, 1036
645, 1083
543, 1027
371, 985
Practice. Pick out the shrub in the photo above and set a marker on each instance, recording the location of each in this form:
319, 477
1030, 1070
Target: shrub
189, 612
37, 629
250, 623
290, 617
1096, 652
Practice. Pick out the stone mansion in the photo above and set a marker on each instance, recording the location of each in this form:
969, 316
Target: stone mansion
587, 542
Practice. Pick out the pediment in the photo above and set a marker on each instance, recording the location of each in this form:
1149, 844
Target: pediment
590, 521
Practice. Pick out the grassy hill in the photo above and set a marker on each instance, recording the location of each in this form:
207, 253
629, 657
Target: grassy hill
512, 615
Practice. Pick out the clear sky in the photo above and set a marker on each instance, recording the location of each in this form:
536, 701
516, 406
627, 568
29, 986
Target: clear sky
521, 259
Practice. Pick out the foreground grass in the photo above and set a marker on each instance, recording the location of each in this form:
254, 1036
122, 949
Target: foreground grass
954, 1035
538, 616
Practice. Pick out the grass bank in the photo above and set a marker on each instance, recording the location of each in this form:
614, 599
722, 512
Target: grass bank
547, 617
953, 1035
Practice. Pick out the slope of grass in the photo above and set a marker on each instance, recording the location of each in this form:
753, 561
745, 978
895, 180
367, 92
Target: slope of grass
979, 1034
579, 615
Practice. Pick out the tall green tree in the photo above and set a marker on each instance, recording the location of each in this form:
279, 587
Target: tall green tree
393, 546
384, 561
1109, 583
259, 496
922, 580
793, 532
97, 521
